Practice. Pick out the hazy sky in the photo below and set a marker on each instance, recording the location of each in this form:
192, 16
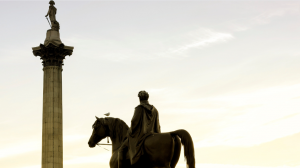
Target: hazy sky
226, 71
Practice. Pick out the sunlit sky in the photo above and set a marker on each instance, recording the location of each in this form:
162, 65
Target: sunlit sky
226, 71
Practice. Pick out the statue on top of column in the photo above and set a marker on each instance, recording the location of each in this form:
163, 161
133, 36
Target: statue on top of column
52, 12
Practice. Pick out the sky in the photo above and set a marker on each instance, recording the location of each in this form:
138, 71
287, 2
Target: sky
225, 71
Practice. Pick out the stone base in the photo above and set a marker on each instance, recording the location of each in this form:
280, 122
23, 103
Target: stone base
52, 37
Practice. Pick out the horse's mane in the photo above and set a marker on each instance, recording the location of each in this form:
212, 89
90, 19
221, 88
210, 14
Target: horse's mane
116, 126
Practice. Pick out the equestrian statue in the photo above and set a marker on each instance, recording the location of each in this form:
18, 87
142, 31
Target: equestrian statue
143, 145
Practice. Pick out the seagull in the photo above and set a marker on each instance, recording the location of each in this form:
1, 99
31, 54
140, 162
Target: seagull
107, 114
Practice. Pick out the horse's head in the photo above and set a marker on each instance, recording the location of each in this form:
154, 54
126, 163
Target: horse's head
100, 131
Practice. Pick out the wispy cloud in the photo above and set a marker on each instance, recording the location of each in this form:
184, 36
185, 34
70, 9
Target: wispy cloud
283, 118
32, 166
243, 119
98, 159
204, 38
32, 145
197, 39
72, 138
20, 148
175, 46
267, 16
101, 158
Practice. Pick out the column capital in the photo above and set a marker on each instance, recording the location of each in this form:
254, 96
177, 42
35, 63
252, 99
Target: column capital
52, 55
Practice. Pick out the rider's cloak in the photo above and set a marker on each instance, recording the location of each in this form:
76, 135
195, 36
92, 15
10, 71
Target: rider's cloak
144, 123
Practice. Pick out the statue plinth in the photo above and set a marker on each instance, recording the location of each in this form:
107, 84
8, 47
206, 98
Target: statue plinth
52, 37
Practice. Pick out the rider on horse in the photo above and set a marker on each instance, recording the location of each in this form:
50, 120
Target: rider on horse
144, 123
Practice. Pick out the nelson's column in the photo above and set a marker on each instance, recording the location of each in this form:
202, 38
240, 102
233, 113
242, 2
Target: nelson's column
52, 52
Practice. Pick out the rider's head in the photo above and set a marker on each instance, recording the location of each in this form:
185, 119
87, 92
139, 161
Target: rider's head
143, 95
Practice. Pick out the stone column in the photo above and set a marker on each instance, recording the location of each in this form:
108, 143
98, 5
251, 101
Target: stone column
52, 139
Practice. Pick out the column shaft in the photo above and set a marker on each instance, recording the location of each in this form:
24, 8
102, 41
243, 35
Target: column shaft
52, 142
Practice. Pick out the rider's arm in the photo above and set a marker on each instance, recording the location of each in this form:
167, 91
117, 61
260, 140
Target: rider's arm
48, 11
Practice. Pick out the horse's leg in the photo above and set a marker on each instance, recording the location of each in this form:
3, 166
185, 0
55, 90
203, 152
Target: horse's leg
176, 153
113, 163
122, 153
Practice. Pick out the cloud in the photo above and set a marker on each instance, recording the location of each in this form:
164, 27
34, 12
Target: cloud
20, 148
155, 90
283, 118
33, 166
174, 46
33, 145
98, 159
197, 39
280, 152
203, 39
243, 119
72, 138
101, 158
249, 130
268, 15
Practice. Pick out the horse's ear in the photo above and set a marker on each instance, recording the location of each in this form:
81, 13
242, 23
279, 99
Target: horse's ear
97, 118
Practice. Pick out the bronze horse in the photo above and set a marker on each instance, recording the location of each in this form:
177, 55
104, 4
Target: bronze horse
161, 150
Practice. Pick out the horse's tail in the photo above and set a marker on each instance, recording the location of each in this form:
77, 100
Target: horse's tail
188, 144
